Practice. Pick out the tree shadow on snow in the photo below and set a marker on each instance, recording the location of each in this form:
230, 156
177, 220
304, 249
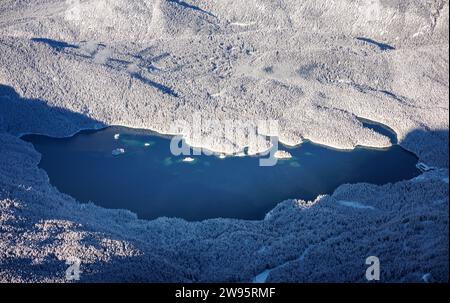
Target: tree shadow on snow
54, 44
164, 89
380, 45
430, 145
21, 115
190, 6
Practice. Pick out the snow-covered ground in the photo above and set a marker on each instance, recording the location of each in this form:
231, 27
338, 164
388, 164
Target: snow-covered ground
315, 66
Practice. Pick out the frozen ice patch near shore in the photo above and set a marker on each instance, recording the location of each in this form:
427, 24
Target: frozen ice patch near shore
283, 155
354, 204
118, 152
263, 276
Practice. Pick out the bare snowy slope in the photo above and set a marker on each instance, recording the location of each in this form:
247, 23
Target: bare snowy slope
315, 66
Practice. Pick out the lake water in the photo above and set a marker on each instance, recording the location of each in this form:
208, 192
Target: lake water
148, 180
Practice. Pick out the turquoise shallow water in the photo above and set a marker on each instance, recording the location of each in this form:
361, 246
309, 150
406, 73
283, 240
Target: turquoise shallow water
148, 180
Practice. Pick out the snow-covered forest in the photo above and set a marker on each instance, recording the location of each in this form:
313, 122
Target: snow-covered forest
317, 67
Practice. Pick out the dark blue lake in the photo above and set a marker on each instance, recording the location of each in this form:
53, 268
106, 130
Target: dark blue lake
148, 180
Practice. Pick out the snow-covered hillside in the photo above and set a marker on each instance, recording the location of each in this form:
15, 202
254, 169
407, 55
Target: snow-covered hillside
317, 67
313, 66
